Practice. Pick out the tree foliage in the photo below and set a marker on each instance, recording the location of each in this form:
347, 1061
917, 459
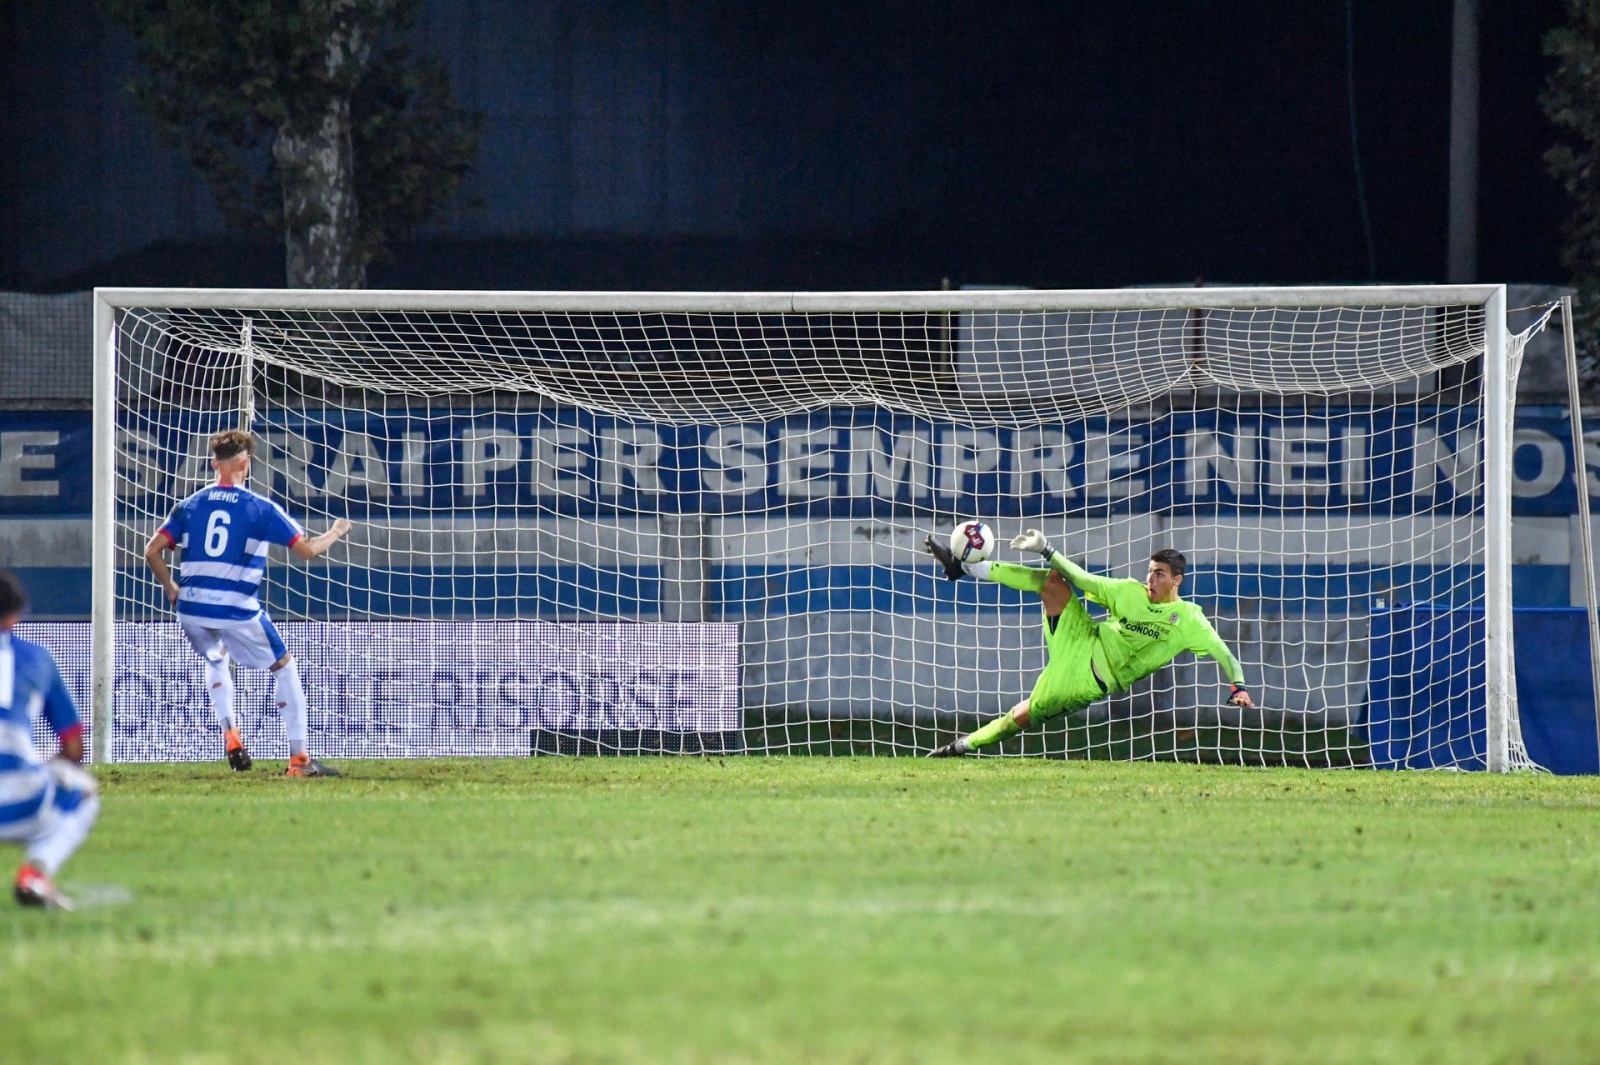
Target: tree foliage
1571, 100
245, 86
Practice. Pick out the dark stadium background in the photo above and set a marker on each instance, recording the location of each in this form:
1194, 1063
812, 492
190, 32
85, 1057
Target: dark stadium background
730, 144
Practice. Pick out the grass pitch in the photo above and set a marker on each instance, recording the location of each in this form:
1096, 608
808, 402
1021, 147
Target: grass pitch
773, 910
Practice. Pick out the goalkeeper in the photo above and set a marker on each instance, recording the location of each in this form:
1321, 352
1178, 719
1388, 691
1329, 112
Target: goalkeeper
1149, 626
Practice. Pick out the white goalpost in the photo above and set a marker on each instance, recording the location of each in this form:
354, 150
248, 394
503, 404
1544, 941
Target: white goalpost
692, 522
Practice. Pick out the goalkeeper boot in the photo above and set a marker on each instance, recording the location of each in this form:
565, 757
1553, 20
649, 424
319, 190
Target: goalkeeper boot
954, 749
238, 757
33, 888
946, 557
303, 765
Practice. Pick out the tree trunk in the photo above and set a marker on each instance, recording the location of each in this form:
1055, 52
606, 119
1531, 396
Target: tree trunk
319, 204
318, 174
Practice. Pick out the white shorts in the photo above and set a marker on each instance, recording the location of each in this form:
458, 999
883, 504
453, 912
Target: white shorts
254, 643
39, 796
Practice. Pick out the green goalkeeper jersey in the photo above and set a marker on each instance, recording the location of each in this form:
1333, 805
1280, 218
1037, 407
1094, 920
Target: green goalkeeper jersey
1140, 636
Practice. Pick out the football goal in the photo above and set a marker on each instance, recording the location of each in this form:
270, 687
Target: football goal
693, 522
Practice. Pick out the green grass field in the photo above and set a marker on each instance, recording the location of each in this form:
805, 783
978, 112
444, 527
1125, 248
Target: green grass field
783, 909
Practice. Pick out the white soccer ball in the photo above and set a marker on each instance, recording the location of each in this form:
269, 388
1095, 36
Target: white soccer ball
972, 541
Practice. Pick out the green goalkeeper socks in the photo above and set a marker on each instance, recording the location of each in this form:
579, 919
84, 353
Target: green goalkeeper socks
1022, 578
996, 730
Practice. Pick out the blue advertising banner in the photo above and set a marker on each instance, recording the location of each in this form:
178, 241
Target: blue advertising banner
839, 463
843, 462
1542, 463
46, 463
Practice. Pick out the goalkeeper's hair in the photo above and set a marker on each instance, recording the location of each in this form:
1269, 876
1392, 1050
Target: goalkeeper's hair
230, 443
1171, 559
13, 596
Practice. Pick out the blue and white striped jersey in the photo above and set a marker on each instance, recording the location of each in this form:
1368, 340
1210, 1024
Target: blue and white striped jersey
224, 532
30, 685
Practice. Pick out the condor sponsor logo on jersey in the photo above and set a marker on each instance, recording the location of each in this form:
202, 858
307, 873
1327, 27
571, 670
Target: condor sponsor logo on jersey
1143, 629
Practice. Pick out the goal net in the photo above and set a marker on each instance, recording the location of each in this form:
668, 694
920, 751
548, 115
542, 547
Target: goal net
653, 522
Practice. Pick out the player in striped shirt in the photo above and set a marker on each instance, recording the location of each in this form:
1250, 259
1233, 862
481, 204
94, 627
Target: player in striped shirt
224, 532
1149, 626
48, 807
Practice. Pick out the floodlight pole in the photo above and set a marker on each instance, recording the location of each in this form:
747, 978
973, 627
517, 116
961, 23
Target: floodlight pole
1462, 251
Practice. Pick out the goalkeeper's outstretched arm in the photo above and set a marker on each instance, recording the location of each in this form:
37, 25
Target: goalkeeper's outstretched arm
1211, 645
1088, 583
1230, 665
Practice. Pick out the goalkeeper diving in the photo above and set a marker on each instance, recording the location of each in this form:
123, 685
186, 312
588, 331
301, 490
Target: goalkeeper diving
1149, 626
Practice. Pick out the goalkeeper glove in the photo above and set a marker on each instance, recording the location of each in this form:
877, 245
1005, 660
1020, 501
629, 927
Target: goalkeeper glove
1033, 540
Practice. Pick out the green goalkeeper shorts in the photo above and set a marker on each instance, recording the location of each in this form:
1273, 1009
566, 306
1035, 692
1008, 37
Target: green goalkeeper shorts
1068, 682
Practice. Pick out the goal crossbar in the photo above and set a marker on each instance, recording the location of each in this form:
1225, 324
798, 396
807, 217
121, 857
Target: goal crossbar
912, 301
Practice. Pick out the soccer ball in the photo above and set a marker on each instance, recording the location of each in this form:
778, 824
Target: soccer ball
972, 541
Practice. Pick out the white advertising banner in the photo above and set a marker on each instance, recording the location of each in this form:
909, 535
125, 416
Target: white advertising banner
405, 689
